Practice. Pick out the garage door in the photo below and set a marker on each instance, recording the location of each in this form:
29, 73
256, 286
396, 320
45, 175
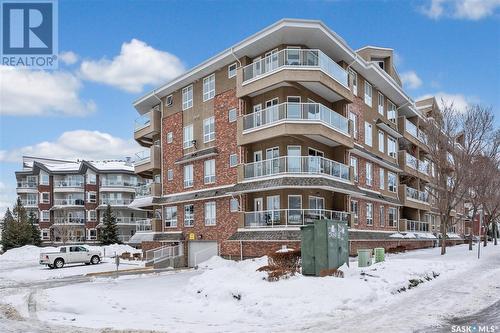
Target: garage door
199, 251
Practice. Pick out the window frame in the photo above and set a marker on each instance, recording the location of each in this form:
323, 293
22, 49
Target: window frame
186, 144
42, 200
356, 215
369, 217
172, 221
368, 128
170, 174
170, 137
390, 222
209, 87
381, 148
210, 221
389, 174
354, 118
235, 64
392, 140
368, 94
231, 164
187, 101
231, 202
381, 175
209, 178
368, 174
381, 211
188, 172
189, 218
355, 167
380, 107
42, 218
229, 118
210, 135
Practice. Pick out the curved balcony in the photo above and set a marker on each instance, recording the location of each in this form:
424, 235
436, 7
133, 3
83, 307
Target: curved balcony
69, 202
313, 120
296, 165
311, 68
278, 218
115, 202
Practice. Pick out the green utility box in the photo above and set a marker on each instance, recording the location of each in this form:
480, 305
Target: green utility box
324, 245
364, 257
379, 254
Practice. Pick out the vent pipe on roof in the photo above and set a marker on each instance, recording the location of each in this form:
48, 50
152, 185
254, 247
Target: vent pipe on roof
128, 161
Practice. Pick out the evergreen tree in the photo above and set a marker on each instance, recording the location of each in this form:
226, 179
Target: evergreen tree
8, 232
36, 237
108, 234
23, 227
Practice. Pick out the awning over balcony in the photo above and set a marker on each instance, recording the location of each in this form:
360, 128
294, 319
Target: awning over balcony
151, 236
139, 203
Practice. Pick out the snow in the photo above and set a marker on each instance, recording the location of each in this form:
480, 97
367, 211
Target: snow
225, 295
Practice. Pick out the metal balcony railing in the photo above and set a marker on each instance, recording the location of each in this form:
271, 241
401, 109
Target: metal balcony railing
296, 112
68, 183
308, 165
415, 194
411, 161
296, 59
69, 220
290, 217
117, 183
115, 202
69, 202
417, 226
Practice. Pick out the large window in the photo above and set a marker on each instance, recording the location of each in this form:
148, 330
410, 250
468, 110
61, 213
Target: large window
391, 111
368, 93
187, 97
188, 175
381, 141
91, 197
368, 134
355, 211
209, 172
208, 87
171, 216
45, 197
382, 178
92, 215
91, 178
382, 216
354, 118
369, 214
45, 216
391, 146
210, 209
188, 136
354, 164
369, 174
380, 103
209, 129
393, 217
354, 81
44, 178
391, 182
188, 215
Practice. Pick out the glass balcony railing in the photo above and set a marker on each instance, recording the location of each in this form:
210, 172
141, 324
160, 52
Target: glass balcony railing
307, 112
27, 184
29, 203
68, 183
296, 59
308, 165
290, 217
69, 220
143, 157
423, 166
143, 225
69, 202
417, 226
415, 131
415, 194
411, 161
143, 121
115, 202
144, 190
117, 183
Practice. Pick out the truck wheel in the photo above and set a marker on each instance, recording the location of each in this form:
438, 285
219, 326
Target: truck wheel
58, 263
95, 260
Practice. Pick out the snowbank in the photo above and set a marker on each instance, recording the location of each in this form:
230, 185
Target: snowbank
26, 254
111, 250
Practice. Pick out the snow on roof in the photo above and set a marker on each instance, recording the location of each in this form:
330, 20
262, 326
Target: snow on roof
71, 166
141, 202
102, 165
112, 165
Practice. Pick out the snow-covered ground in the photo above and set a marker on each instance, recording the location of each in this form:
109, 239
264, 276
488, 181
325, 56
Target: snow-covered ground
232, 296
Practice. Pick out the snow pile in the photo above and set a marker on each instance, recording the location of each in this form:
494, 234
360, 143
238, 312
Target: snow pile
111, 250
24, 254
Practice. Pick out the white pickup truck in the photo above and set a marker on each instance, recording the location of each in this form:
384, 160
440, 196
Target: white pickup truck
71, 254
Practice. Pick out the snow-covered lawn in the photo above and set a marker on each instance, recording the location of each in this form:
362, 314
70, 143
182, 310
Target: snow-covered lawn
232, 296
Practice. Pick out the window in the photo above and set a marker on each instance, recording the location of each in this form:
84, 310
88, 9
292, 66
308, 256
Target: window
380, 103
44, 178
188, 175
391, 146
382, 178
170, 100
91, 178
233, 160
170, 137
45, 234
91, 215
369, 174
188, 215
382, 216
209, 129
91, 234
231, 70
391, 111
232, 115
368, 134
354, 118
234, 205
208, 87
45, 216
354, 164
354, 80
355, 211
209, 172
45, 197
188, 136
210, 213
369, 214
91, 197
171, 217
391, 182
170, 174
381, 141
368, 94
187, 97
393, 217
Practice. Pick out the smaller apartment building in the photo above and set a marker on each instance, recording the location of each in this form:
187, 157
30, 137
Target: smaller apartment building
68, 198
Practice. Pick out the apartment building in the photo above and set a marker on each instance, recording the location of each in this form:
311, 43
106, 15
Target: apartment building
286, 127
68, 198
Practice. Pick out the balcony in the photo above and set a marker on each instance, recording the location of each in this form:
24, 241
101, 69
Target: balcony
406, 225
148, 190
290, 217
69, 220
108, 185
313, 120
143, 225
147, 162
297, 165
115, 202
125, 220
29, 203
146, 127
412, 133
69, 202
413, 198
310, 68
25, 186
68, 185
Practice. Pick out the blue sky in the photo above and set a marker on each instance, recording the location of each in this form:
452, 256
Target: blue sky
445, 47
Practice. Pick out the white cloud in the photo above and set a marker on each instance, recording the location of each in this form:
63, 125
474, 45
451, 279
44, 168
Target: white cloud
78, 144
69, 57
461, 9
26, 92
137, 65
459, 101
411, 79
